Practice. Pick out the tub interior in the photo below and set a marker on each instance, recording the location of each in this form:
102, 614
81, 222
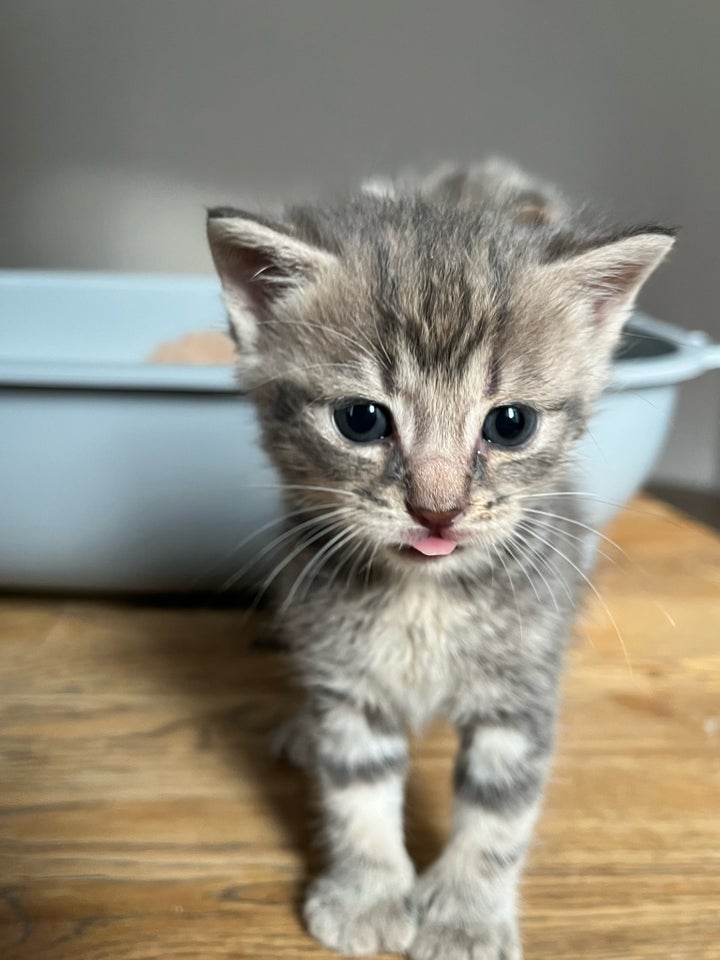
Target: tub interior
638, 344
101, 319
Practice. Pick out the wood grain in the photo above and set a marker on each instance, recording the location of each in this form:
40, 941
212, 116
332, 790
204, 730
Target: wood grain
141, 816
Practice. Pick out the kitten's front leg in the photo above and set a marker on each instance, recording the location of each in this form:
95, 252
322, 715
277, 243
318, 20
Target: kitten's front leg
361, 905
468, 900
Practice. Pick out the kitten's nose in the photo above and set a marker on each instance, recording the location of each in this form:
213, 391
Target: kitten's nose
433, 519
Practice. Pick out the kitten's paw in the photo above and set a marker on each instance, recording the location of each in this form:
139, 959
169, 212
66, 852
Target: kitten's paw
293, 742
444, 941
451, 927
357, 924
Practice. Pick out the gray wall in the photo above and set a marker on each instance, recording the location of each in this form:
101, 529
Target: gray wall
122, 118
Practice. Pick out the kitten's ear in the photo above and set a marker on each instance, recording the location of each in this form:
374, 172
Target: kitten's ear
262, 265
606, 279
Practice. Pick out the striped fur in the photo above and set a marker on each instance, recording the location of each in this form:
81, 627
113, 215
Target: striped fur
439, 300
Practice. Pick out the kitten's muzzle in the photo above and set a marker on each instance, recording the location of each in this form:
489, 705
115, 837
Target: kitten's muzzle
439, 541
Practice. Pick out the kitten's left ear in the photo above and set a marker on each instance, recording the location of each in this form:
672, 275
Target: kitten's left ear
262, 266
607, 278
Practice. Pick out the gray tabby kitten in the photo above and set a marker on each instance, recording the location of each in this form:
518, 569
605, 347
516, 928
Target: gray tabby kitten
423, 358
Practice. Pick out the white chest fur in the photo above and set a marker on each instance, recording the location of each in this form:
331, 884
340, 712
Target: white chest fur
409, 652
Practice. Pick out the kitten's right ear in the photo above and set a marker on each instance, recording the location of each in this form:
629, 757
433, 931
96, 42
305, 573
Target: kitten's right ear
261, 265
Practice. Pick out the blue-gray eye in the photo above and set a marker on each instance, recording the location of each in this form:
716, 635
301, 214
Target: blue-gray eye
363, 421
509, 426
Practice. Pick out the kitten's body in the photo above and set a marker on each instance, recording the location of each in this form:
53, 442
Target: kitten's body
419, 654
433, 559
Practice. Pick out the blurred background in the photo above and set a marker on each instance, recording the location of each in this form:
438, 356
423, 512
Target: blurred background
122, 120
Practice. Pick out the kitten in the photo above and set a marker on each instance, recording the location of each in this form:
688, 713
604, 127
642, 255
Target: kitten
423, 357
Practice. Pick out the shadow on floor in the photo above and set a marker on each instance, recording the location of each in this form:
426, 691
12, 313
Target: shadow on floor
699, 504
239, 689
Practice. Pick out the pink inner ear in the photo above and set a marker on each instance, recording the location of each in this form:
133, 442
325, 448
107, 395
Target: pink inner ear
259, 274
614, 290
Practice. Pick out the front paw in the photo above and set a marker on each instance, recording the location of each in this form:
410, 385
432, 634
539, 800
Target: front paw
441, 941
452, 927
360, 921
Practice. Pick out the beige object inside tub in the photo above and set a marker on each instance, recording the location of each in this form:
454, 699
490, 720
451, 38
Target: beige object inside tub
208, 348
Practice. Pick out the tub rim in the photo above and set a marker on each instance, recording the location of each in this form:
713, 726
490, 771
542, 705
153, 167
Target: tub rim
693, 352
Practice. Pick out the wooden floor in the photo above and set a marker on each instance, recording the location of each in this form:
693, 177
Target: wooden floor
141, 817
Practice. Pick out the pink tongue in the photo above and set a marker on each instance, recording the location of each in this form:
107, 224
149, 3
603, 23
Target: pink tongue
434, 546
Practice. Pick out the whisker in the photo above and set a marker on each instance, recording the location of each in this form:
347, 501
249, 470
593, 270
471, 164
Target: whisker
347, 547
315, 564
315, 488
594, 589
508, 546
382, 346
637, 566
368, 568
256, 533
491, 565
303, 545
585, 526
512, 587
373, 347
551, 494
665, 613
275, 543
573, 537
531, 529
533, 558
331, 331
362, 550
641, 511
343, 365
551, 567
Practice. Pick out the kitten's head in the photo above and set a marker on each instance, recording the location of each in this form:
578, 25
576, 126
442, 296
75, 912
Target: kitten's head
419, 364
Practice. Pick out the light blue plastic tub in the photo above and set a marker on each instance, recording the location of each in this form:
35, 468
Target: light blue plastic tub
122, 475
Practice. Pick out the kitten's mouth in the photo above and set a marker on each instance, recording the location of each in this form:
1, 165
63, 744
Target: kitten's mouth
429, 548
434, 546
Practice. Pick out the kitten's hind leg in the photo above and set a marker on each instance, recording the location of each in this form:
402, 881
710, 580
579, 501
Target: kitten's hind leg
361, 905
294, 740
467, 901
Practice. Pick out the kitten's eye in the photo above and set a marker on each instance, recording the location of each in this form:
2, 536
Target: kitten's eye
363, 421
509, 426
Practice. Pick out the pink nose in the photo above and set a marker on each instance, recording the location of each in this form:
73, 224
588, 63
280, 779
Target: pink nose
433, 519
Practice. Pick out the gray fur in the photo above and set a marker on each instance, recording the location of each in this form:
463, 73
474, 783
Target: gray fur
440, 300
